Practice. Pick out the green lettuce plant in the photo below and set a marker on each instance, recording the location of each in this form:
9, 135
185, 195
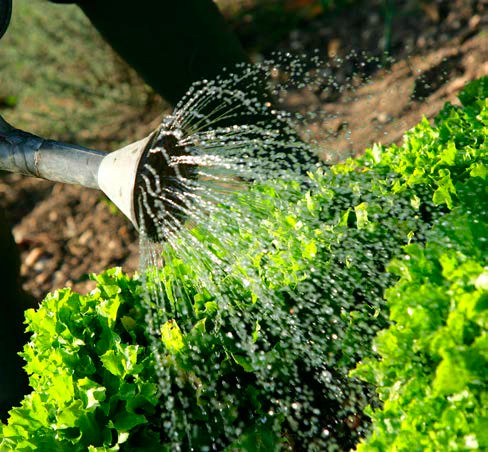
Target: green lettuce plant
249, 341
91, 373
432, 375
432, 370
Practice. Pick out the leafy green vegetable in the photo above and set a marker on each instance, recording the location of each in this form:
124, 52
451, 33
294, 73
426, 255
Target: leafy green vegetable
91, 372
251, 340
311, 272
432, 370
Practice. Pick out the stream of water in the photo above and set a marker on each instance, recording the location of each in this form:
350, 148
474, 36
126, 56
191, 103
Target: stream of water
251, 337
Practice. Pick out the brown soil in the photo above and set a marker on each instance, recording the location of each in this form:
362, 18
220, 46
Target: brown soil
398, 98
66, 232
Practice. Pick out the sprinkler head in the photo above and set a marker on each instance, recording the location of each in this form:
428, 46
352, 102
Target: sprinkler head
143, 181
118, 174
161, 184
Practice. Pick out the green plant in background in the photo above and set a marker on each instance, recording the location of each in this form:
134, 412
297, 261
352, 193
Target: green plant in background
259, 354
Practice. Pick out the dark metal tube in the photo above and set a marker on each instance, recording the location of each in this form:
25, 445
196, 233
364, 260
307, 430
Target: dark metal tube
24, 153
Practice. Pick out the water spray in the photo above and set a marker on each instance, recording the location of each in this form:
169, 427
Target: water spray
269, 298
221, 136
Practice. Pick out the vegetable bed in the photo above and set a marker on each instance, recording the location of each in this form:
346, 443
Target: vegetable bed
355, 316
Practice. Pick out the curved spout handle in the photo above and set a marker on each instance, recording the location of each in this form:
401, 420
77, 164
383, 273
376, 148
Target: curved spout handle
24, 153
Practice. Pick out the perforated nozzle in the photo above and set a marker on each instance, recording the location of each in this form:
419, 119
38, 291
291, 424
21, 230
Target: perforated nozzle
118, 173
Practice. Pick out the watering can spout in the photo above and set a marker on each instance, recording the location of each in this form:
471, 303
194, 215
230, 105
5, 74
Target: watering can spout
114, 173
24, 153
117, 176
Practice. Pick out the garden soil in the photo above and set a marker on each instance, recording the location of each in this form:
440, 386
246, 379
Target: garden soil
66, 232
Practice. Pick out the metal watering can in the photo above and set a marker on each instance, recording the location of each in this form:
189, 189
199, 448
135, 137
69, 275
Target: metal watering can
114, 173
